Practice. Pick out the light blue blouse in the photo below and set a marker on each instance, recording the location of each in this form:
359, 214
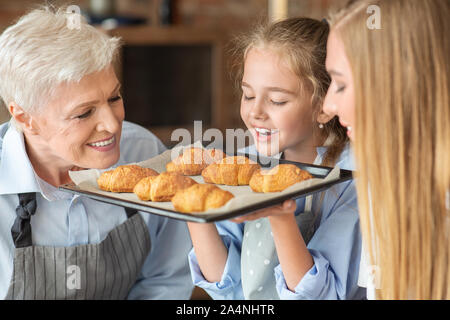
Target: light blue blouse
63, 219
335, 248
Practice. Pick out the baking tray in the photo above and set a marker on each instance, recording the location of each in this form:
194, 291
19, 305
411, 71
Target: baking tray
315, 170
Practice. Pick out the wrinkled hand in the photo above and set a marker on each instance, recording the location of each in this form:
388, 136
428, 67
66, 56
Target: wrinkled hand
287, 207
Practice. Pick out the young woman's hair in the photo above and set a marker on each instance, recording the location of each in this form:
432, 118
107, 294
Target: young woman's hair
43, 50
302, 43
402, 141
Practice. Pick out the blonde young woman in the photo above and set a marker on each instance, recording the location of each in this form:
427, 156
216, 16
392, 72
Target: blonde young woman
390, 88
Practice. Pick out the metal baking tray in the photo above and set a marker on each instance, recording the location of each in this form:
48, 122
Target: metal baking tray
315, 170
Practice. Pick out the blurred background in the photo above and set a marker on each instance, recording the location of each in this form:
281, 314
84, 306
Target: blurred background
174, 64
175, 60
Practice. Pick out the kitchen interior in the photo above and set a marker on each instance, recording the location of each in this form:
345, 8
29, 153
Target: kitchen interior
175, 61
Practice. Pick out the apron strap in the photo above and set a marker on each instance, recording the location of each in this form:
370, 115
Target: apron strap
21, 229
130, 212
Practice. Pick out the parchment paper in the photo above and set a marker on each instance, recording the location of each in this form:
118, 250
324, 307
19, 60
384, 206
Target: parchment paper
243, 195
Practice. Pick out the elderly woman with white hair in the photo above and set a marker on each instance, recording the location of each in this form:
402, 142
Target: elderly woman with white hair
60, 88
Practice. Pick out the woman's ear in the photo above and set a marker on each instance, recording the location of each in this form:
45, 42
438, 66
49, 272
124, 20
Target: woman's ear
23, 118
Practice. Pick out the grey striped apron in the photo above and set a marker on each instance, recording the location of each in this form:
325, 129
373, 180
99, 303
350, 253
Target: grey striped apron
259, 255
106, 270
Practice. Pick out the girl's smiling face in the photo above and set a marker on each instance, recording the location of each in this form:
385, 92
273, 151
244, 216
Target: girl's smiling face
274, 107
340, 98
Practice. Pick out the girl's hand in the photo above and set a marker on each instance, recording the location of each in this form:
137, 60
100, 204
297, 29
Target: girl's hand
286, 208
209, 249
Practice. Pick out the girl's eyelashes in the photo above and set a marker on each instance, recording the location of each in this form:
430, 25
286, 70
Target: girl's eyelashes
276, 103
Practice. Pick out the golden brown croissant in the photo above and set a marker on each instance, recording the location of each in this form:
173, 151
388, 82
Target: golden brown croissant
123, 178
232, 171
163, 187
194, 160
278, 178
200, 197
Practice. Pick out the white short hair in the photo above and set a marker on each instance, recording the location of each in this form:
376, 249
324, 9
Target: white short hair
42, 50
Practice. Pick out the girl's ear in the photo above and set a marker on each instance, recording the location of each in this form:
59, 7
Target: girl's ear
23, 118
323, 117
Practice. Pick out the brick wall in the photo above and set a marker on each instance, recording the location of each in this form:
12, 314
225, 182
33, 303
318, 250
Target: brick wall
229, 16
233, 14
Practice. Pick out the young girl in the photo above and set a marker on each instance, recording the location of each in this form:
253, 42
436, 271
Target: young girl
309, 249
390, 87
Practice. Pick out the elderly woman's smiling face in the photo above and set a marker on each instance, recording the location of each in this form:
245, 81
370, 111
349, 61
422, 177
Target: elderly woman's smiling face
82, 124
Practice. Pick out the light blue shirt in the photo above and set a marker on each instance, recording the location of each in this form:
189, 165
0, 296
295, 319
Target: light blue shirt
63, 219
335, 248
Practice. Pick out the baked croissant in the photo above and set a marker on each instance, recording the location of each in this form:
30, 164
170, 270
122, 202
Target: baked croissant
278, 178
163, 187
232, 171
194, 160
123, 178
200, 197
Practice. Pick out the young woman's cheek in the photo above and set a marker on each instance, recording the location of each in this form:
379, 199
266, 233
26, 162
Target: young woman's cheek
351, 105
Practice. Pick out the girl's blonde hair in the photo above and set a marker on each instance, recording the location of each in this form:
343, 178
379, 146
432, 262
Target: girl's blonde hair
42, 50
402, 141
301, 42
